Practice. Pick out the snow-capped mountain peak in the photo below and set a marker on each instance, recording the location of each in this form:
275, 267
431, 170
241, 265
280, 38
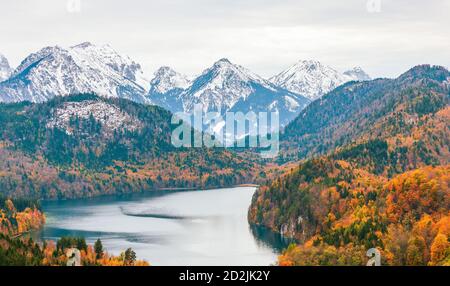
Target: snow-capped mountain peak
36, 57
309, 78
223, 62
226, 86
222, 85
224, 69
5, 69
310, 65
357, 74
167, 79
165, 88
83, 45
106, 55
313, 79
84, 68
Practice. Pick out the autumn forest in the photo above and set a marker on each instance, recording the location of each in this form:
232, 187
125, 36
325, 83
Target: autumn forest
366, 166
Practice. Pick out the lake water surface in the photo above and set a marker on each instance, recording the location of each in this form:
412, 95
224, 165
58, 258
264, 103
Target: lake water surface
170, 228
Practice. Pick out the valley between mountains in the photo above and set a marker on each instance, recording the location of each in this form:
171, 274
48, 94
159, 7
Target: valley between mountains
363, 162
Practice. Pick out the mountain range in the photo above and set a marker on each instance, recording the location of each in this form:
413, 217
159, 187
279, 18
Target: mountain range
224, 87
87, 68
313, 79
55, 71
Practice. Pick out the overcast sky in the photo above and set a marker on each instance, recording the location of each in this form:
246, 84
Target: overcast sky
264, 36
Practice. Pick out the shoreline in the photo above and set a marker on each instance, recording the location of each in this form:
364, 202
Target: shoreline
169, 189
205, 189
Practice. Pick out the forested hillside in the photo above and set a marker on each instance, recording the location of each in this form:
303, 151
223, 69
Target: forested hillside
83, 145
383, 181
395, 110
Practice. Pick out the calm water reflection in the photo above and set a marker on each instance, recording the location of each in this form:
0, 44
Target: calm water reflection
170, 228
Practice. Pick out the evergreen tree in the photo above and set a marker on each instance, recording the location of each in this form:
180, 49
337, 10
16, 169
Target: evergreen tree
98, 248
130, 257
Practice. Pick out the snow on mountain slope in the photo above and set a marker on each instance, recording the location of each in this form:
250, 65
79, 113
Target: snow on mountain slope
166, 87
357, 74
226, 86
105, 57
220, 87
55, 71
5, 69
167, 79
313, 79
110, 117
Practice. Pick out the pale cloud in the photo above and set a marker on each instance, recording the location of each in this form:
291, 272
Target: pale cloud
265, 36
